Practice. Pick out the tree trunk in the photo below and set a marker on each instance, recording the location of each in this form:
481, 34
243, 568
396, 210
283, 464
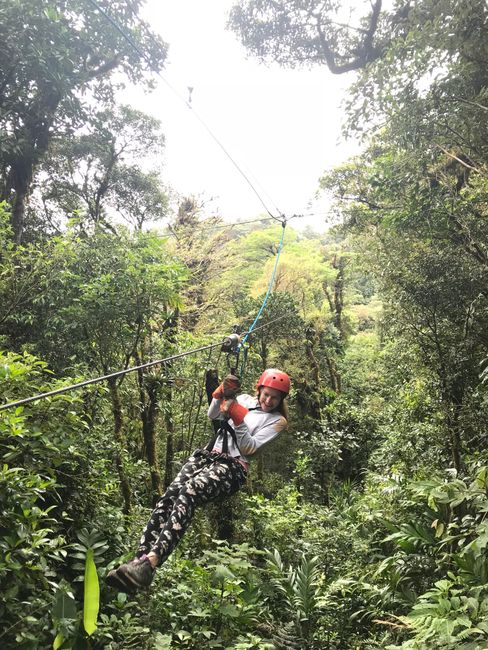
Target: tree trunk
18, 208
340, 265
148, 409
120, 445
314, 392
452, 395
170, 327
452, 405
168, 418
35, 137
335, 378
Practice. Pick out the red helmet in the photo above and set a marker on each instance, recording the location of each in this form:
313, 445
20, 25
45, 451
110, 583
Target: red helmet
274, 378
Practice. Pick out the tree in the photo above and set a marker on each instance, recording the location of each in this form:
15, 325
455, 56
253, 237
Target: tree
101, 304
53, 57
298, 33
272, 343
201, 245
91, 176
432, 280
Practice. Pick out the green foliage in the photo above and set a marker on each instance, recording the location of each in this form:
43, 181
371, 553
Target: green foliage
211, 604
448, 616
375, 499
299, 587
33, 541
292, 37
64, 59
102, 177
441, 567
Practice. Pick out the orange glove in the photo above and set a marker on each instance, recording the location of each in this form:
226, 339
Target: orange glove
218, 392
232, 409
228, 389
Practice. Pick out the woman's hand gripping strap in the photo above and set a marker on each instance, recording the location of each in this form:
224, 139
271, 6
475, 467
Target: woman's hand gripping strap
231, 409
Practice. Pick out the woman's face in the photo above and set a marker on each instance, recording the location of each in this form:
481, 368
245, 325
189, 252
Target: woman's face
269, 398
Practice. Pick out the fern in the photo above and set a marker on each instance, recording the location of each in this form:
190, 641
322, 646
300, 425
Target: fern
300, 589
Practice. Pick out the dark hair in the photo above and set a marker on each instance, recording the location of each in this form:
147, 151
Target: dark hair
282, 406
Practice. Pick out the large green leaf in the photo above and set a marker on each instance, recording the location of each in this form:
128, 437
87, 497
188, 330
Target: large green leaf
91, 595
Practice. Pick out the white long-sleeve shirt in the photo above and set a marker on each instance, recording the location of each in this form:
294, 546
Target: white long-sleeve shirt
257, 429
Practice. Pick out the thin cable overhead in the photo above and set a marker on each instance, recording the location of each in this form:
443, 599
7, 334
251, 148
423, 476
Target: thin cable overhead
260, 220
222, 226
134, 45
119, 373
229, 226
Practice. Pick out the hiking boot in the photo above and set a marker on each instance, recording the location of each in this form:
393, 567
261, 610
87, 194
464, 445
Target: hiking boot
131, 576
114, 581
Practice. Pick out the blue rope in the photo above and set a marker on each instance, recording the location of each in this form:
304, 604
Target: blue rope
283, 224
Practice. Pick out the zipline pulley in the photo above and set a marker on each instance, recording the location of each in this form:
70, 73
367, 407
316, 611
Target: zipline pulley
230, 345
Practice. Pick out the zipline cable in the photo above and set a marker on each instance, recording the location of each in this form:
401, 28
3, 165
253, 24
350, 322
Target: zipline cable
282, 219
149, 364
133, 44
235, 224
119, 373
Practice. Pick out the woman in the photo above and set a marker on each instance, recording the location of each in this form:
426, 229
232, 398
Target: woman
247, 423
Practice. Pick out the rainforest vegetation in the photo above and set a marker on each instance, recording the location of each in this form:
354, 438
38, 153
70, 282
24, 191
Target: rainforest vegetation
365, 524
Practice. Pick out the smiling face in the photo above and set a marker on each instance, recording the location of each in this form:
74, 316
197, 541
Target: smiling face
269, 398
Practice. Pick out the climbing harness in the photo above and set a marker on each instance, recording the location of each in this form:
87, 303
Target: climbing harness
224, 430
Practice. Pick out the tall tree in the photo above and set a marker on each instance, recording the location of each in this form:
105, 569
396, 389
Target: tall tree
344, 36
97, 174
200, 244
98, 305
432, 275
52, 55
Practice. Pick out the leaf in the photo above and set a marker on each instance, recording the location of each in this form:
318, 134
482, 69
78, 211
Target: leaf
58, 641
162, 641
221, 574
439, 530
91, 601
229, 610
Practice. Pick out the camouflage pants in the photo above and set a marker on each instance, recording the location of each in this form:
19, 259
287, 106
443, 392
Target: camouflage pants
206, 476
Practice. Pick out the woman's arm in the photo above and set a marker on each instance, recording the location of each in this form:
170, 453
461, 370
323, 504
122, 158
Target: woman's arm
248, 444
214, 409
271, 427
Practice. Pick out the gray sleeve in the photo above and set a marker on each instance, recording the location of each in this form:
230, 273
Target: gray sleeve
250, 444
214, 409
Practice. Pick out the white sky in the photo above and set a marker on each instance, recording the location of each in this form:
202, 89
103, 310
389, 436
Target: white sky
281, 126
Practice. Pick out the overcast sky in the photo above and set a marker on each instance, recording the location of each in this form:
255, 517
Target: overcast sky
281, 126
